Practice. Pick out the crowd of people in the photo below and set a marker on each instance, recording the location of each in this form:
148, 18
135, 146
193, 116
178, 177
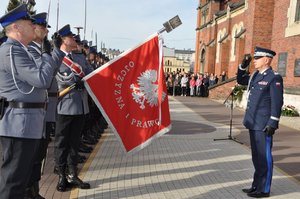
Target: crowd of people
42, 94
192, 84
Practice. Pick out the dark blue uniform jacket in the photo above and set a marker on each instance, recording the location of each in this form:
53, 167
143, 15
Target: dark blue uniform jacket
265, 98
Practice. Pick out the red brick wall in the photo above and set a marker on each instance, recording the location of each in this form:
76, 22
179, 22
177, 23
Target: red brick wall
259, 21
224, 57
280, 43
221, 92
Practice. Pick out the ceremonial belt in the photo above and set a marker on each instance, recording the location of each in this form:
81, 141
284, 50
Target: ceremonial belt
53, 94
25, 105
75, 68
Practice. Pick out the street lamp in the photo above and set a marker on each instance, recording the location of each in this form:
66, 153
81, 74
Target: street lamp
78, 28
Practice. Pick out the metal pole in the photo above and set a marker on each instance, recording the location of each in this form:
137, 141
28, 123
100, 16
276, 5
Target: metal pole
57, 15
84, 19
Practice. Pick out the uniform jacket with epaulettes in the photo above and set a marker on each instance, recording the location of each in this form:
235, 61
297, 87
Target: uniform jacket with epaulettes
265, 98
22, 80
35, 50
76, 101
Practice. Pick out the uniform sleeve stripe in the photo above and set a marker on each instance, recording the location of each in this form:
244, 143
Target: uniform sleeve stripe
274, 118
241, 67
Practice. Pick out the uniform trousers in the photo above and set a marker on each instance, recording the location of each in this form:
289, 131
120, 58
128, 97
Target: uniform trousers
40, 156
18, 156
67, 140
261, 149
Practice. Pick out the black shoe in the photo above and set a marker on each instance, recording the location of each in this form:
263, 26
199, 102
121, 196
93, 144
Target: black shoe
256, 194
74, 180
62, 183
250, 190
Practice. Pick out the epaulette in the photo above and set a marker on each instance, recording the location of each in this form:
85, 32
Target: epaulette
276, 73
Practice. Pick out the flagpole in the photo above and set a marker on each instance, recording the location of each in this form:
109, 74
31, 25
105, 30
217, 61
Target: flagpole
57, 15
48, 12
96, 41
84, 19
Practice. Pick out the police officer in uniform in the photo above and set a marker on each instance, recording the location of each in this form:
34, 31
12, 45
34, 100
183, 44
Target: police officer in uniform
35, 48
265, 99
70, 118
23, 84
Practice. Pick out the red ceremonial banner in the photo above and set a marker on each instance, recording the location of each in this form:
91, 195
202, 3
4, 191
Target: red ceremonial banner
131, 93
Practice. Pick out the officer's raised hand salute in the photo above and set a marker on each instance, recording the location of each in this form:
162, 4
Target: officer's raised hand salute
264, 102
23, 84
246, 61
57, 40
46, 46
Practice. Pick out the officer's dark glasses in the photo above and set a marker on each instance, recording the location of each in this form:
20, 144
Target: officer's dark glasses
257, 58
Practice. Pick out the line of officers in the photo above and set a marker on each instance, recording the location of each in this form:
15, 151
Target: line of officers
32, 71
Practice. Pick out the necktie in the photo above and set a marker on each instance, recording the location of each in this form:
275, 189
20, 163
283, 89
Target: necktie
70, 56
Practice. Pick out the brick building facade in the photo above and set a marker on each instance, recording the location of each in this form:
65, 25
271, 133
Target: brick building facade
227, 29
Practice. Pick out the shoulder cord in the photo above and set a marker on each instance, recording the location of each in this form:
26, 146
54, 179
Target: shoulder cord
248, 87
36, 49
13, 75
63, 78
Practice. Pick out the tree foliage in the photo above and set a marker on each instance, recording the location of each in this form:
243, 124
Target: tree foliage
12, 4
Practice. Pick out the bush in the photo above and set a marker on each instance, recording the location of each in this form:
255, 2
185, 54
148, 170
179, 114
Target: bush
289, 110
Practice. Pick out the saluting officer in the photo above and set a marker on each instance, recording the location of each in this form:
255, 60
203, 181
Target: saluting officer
35, 48
265, 99
70, 118
23, 84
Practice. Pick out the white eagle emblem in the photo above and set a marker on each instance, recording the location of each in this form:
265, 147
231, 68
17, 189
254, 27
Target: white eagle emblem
147, 89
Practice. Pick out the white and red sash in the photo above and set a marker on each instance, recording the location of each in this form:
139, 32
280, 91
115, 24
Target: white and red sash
74, 67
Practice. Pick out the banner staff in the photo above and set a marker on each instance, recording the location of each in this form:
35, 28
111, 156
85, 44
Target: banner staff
57, 15
84, 19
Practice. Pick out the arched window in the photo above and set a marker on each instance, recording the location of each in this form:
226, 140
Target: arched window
236, 30
220, 35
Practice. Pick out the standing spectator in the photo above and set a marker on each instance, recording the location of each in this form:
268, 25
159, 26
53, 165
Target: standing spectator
192, 86
176, 85
212, 80
184, 81
170, 82
216, 79
223, 76
205, 85
265, 99
199, 83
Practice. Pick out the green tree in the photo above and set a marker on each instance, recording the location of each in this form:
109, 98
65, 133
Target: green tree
12, 4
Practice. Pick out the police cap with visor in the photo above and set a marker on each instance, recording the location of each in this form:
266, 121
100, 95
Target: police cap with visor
18, 13
263, 52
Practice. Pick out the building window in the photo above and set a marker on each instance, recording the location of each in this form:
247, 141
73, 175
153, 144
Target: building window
297, 16
293, 15
204, 16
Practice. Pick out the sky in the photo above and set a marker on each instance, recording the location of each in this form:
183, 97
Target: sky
123, 24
